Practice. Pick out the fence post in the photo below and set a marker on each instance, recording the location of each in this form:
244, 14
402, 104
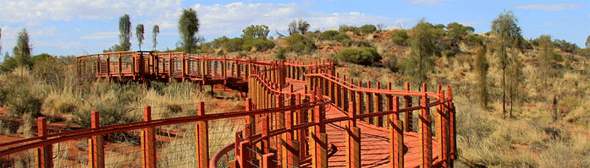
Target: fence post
149, 140
368, 104
244, 153
353, 155
408, 119
377, 106
452, 126
265, 139
267, 160
441, 133
202, 138
45, 152
425, 132
97, 140
396, 135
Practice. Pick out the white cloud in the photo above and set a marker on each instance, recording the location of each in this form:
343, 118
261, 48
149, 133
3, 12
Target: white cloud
549, 7
101, 36
232, 18
35, 12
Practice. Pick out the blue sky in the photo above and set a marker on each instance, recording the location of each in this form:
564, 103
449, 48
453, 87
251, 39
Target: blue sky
68, 27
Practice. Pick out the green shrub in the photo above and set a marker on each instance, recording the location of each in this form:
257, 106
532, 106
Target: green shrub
280, 55
368, 29
399, 37
341, 37
21, 99
259, 44
299, 43
363, 55
473, 40
556, 57
329, 35
346, 28
233, 45
110, 114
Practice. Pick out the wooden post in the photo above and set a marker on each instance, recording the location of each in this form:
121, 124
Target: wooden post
452, 126
251, 118
396, 142
377, 107
244, 154
425, 133
353, 153
45, 152
98, 143
368, 104
265, 131
408, 119
202, 137
267, 160
149, 140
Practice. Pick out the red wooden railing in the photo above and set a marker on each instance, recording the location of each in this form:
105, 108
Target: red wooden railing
285, 115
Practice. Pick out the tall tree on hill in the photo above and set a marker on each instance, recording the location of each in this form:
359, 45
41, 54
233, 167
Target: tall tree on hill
188, 26
422, 49
507, 33
588, 42
139, 34
22, 50
155, 32
298, 26
255, 31
481, 67
125, 33
545, 58
515, 80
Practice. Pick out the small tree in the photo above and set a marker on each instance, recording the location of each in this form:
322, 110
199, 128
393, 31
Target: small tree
125, 33
515, 80
292, 27
588, 42
422, 48
507, 32
481, 67
188, 26
155, 32
22, 50
139, 34
545, 57
302, 26
298, 26
256, 31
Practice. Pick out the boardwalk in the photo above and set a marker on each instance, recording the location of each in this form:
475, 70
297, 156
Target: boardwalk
298, 114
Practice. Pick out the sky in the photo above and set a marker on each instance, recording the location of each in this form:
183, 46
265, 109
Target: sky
78, 27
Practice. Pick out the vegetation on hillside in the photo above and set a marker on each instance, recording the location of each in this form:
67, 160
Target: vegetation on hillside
520, 102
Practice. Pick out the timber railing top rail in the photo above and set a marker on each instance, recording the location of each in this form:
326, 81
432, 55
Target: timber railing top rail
21, 145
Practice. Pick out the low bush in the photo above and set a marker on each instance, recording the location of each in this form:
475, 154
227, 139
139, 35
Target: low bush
363, 55
257, 44
399, 37
368, 29
299, 44
346, 28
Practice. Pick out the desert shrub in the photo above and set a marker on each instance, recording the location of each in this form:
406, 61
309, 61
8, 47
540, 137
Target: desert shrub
21, 99
110, 114
391, 63
399, 37
329, 35
258, 44
368, 29
346, 28
233, 45
363, 55
299, 43
473, 40
280, 55
174, 108
556, 57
